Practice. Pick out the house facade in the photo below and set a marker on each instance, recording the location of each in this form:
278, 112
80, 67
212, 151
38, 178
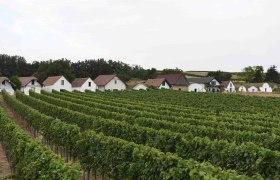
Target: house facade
109, 82
228, 86
140, 86
265, 88
161, 83
253, 89
83, 84
242, 89
195, 87
5, 84
30, 83
210, 83
177, 81
58, 83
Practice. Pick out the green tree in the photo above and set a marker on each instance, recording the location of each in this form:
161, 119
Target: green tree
272, 75
220, 75
254, 74
172, 71
16, 82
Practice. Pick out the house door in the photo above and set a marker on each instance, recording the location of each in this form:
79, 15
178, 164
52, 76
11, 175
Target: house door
230, 89
265, 89
195, 90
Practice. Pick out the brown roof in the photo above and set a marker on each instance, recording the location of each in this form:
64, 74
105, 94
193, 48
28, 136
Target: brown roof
102, 80
51, 80
175, 79
3, 79
155, 82
78, 82
25, 80
225, 83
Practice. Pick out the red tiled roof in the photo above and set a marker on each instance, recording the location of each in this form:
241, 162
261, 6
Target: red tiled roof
78, 82
3, 79
154, 82
175, 79
102, 80
25, 80
225, 83
51, 80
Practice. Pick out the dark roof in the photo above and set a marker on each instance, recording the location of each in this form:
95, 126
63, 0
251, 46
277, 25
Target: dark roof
51, 80
175, 79
225, 83
78, 82
102, 80
201, 80
3, 79
155, 82
25, 80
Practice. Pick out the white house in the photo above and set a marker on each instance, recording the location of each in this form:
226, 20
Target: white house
195, 87
242, 89
83, 84
58, 83
5, 84
140, 86
161, 83
210, 83
228, 86
252, 89
30, 83
109, 82
265, 88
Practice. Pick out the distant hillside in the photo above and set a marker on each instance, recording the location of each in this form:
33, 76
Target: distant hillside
236, 76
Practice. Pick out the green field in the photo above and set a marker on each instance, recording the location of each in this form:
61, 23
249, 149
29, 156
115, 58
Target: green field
158, 134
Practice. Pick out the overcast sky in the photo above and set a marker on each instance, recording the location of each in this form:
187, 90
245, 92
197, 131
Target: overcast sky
188, 34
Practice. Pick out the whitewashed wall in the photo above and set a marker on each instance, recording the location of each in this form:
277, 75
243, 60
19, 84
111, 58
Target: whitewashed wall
86, 86
8, 87
195, 87
164, 86
242, 89
140, 87
36, 87
230, 87
265, 88
115, 84
253, 89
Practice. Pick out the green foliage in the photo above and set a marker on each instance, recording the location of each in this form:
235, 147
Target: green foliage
254, 74
16, 82
30, 159
172, 71
272, 75
220, 75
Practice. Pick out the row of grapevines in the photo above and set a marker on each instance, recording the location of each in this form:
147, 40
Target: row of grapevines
30, 159
120, 159
265, 140
185, 113
247, 157
166, 117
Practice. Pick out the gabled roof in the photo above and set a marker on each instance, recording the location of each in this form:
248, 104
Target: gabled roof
25, 80
201, 80
51, 80
78, 82
155, 82
102, 80
3, 79
175, 79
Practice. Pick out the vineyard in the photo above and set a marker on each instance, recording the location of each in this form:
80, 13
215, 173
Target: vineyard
157, 134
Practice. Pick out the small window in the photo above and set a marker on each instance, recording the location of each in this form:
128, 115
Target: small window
89, 84
163, 83
62, 82
115, 81
3, 82
33, 82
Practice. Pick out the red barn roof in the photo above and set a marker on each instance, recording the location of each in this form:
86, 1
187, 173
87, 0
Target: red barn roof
102, 80
78, 82
51, 80
25, 80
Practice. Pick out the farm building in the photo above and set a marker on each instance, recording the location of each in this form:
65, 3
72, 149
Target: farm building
177, 81
252, 89
210, 83
58, 83
158, 83
265, 88
228, 86
242, 89
109, 82
5, 84
30, 83
140, 86
83, 84
195, 87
